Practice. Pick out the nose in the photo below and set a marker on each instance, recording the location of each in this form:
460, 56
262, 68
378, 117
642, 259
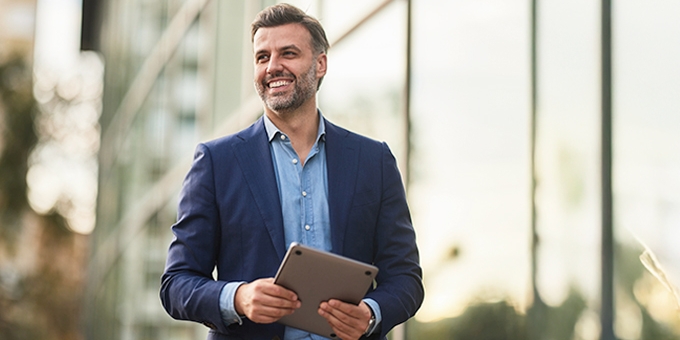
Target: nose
274, 65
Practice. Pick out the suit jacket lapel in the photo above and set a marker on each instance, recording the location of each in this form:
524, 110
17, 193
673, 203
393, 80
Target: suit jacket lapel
342, 158
256, 162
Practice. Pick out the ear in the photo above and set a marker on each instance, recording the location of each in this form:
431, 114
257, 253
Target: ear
321, 64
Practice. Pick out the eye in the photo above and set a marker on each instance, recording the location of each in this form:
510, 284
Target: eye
261, 58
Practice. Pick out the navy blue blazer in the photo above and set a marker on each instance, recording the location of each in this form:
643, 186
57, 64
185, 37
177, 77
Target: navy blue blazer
229, 217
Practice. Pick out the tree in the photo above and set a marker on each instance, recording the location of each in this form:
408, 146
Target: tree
41, 260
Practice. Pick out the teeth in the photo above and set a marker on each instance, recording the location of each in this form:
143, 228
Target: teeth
278, 83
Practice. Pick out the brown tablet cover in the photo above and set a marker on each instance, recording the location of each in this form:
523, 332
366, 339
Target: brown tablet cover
316, 276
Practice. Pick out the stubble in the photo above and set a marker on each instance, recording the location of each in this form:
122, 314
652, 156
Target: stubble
305, 88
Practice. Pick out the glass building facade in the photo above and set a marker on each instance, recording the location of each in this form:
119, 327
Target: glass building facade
493, 110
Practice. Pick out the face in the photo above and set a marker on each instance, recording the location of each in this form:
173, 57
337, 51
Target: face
287, 69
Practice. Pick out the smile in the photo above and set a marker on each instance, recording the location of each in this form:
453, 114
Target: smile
278, 83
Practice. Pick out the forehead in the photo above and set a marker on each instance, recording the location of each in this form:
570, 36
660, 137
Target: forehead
272, 38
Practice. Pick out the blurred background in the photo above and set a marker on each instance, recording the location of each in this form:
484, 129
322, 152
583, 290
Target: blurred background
539, 142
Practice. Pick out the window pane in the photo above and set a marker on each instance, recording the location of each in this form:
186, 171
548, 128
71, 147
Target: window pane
646, 168
470, 179
568, 170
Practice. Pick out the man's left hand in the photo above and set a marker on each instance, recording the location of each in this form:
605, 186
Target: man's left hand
347, 320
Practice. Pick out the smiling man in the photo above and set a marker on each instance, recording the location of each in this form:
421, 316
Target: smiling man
292, 176
287, 68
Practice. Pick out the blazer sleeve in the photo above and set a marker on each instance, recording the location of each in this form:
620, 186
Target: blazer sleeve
188, 290
399, 290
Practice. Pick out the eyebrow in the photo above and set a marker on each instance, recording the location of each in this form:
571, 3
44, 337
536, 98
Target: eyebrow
290, 47
284, 48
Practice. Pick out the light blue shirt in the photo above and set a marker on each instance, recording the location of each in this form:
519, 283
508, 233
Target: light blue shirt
303, 191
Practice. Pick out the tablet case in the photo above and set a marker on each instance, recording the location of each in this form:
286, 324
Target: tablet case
317, 276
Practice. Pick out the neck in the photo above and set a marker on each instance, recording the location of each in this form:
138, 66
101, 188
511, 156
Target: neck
300, 125
301, 120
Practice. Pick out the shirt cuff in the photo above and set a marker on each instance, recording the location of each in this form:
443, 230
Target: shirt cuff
227, 308
376, 312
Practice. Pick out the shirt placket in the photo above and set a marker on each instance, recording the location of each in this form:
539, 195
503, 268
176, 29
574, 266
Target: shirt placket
310, 229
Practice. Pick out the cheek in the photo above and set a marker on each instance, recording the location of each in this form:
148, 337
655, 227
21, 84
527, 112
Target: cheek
259, 72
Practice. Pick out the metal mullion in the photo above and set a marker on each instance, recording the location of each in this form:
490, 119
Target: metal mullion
607, 251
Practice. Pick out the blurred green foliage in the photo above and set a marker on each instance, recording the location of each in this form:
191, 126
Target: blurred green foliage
17, 113
41, 260
499, 320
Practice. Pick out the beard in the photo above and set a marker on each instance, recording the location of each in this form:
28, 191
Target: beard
305, 88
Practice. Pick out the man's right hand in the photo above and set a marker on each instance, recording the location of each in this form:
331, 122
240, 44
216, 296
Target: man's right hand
263, 301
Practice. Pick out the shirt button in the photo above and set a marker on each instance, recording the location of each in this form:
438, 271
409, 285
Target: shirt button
307, 227
304, 194
295, 161
283, 137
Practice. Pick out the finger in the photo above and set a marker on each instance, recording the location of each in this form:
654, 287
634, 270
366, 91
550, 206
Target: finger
272, 292
260, 301
355, 315
272, 301
339, 314
265, 314
355, 311
335, 324
265, 310
270, 288
342, 330
345, 325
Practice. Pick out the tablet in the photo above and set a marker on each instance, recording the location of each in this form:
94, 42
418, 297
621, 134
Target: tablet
317, 276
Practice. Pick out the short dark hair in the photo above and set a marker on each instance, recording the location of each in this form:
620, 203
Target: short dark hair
283, 14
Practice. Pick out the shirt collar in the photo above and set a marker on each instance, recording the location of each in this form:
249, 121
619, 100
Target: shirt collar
272, 130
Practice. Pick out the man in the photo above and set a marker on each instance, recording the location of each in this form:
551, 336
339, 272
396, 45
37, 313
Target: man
290, 177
